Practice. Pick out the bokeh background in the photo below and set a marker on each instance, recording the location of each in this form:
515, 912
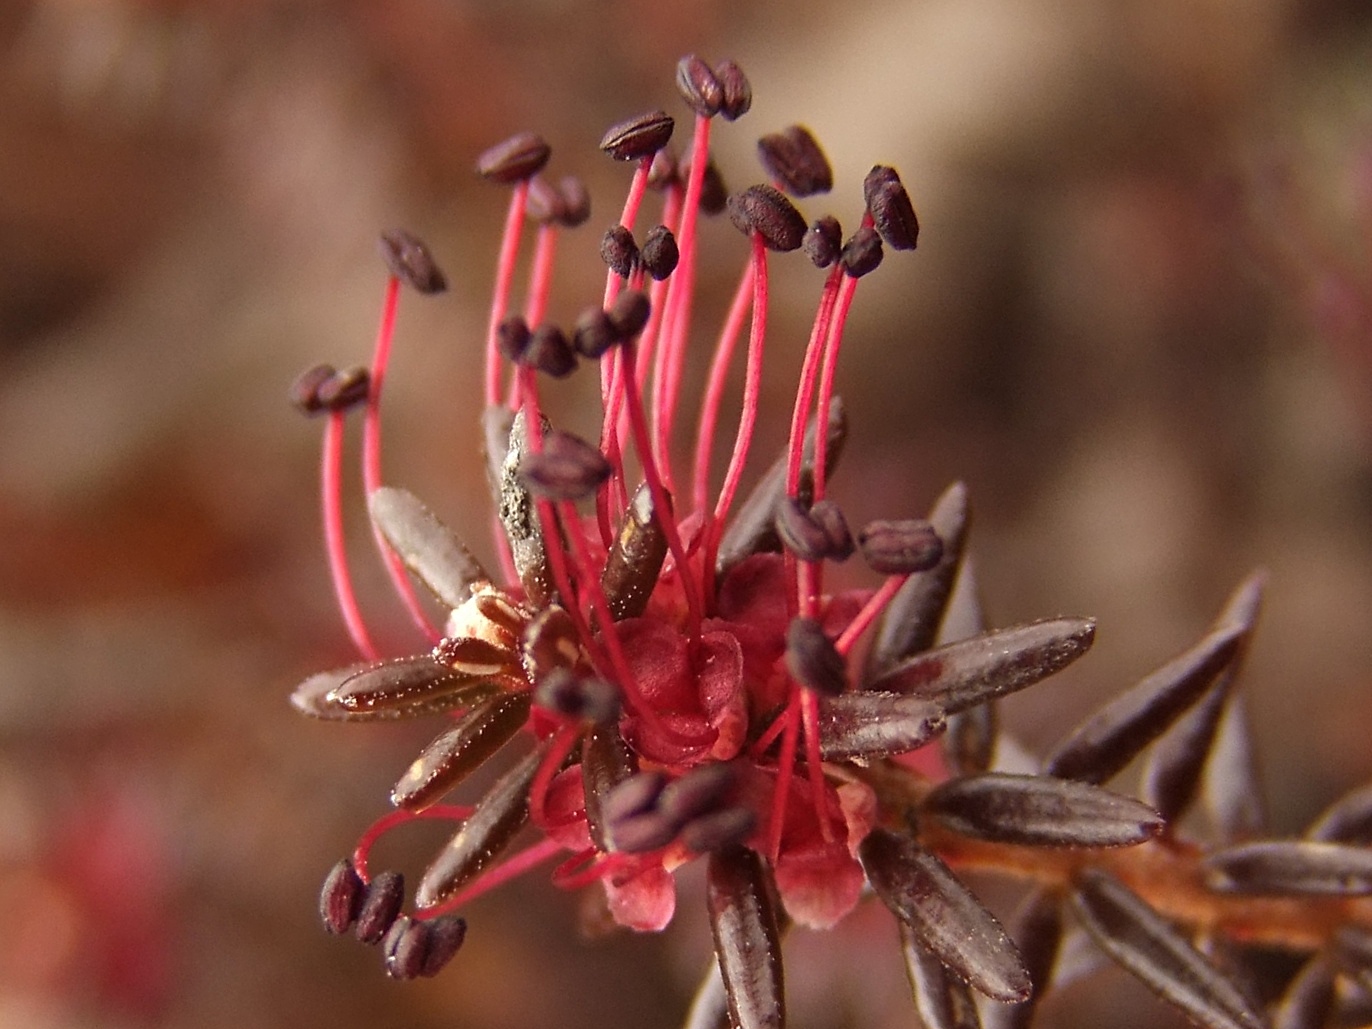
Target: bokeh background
1139, 325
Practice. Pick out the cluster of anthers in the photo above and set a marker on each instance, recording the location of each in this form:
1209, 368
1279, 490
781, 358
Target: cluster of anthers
683, 686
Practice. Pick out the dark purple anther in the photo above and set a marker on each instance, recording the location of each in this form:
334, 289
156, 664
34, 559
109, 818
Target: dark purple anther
520, 157
698, 86
340, 899
512, 337
823, 241
659, 253
380, 906
737, 90
594, 333
862, 253
619, 251
567, 468
793, 158
827, 515
629, 313
891, 208
900, 547
812, 659
638, 137
551, 352
409, 260
766, 211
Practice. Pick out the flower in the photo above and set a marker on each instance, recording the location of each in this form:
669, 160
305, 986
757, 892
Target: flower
690, 687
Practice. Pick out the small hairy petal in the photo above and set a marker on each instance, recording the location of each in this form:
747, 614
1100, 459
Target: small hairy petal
1150, 948
426, 545
819, 884
409, 260
380, 906
635, 559
501, 813
638, 136
796, 162
1109, 740
644, 903
460, 750
696, 83
1347, 820
969, 672
567, 468
747, 941
522, 156
1291, 868
1039, 811
944, 916
870, 724
340, 899
1309, 998
943, 1000
910, 622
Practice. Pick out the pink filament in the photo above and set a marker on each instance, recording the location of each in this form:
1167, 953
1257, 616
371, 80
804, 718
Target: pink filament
393, 819
371, 460
504, 276
510, 869
331, 492
714, 389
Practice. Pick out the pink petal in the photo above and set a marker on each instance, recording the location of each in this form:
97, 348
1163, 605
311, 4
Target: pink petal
819, 885
646, 902
718, 661
658, 658
686, 739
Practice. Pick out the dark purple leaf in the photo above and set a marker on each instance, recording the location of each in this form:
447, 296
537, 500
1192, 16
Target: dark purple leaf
868, 725
1154, 951
407, 686
1109, 740
487, 831
1347, 820
1309, 999
518, 513
1233, 791
747, 941
969, 672
910, 622
753, 529
1037, 931
944, 915
1291, 867
606, 761
461, 750
1173, 773
969, 745
943, 1000
635, 558
1039, 811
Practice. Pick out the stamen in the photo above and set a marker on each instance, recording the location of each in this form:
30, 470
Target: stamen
565, 739
331, 491
786, 766
751, 398
371, 460
870, 610
509, 869
714, 389
394, 819
504, 277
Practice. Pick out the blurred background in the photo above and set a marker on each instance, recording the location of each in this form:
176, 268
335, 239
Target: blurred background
1138, 324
